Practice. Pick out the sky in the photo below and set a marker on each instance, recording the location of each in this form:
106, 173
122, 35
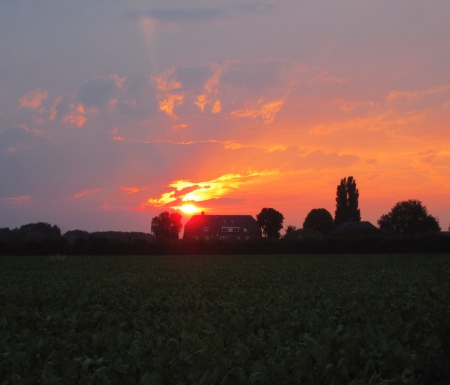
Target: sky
112, 112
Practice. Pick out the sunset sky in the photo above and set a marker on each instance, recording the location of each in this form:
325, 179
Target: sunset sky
114, 111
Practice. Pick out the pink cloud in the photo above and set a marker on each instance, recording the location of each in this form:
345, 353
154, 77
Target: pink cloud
76, 116
33, 99
19, 199
86, 192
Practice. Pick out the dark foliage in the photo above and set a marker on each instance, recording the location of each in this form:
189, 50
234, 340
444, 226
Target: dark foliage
166, 226
271, 222
290, 229
409, 217
319, 220
347, 196
32, 232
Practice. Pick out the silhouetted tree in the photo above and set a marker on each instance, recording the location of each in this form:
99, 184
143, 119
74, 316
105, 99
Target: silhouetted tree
347, 202
166, 226
271, 222
36, 231
319, 220
409, 217
290, 229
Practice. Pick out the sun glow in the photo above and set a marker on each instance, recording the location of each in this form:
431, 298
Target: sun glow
189, 209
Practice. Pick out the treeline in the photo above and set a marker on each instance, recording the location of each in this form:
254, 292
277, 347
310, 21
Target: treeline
349, 244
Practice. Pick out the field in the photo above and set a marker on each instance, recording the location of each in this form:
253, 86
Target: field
322, 319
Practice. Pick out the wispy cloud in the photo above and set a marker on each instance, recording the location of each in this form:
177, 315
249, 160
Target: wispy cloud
265, 110
415, 94
187, 191
131, 190
86, 192
19, 199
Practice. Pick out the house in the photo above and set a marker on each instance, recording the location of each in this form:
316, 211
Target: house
305, 233
355, 227
240, 227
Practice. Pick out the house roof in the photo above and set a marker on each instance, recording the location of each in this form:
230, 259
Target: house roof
216, 222
305, 233
355, 226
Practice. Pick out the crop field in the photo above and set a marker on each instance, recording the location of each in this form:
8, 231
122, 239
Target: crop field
322, 319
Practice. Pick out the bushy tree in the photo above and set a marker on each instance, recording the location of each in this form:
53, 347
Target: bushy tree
347, 196
35, 231
290, 229
319, 220
271, 222
166, 226
409, 217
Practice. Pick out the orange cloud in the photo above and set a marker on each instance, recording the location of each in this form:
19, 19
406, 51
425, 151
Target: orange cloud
165, 199
76, 116
33, 99
267, 111
203, 191
347, 106
86, 192
131, 190
118, 138
211, 88
53, 110
201, 102
378, 120
324, 77
167, 105
415, 95
217, 107
167, 81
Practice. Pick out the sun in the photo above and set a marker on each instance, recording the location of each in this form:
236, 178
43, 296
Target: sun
189, 209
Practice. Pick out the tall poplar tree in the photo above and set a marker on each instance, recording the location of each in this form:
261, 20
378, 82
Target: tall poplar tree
347, 202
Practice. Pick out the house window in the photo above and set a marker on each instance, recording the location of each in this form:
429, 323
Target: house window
245, 230
205, 229
230, 229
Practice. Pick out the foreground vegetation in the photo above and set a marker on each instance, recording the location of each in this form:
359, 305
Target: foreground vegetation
322, 319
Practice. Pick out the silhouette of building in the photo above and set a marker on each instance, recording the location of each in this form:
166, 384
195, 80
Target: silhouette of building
355, 227
240, 227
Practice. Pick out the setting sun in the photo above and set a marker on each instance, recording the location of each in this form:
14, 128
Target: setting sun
189, 209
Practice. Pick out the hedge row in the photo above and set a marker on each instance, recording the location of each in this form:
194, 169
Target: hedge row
428, 243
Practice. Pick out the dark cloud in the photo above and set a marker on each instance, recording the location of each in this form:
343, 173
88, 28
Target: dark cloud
96, 92
19, 137
137, 98
269, 73
193, 77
